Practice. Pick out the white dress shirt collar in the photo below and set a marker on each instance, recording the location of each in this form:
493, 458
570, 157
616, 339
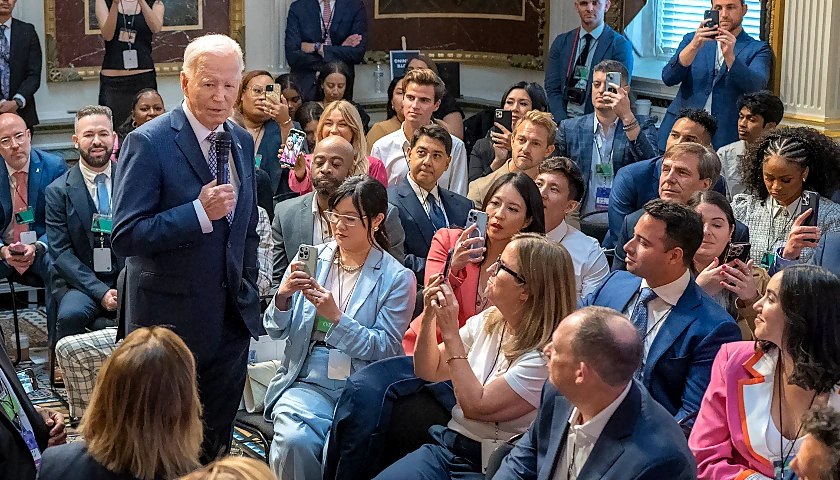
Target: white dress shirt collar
596, 32
12, 171
775, 206
201, 132
559, 232
597, 127
593, 428
422, 194
90, 175
670, 292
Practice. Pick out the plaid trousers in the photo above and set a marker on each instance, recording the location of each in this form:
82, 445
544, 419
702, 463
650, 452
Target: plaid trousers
81, 357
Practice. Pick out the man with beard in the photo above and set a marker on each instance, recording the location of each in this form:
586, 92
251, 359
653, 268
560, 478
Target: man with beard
78, 215
300, 221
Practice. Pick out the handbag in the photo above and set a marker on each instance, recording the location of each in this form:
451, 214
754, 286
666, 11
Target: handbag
256, 384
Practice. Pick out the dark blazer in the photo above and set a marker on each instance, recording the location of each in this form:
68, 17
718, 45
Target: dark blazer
740, 235
269, 146
175, 274
678, 366
749, 73
417, 226
827, 254
73, 462
640, 441
303, 24
611, 46
70, 210
25, 59
15, 459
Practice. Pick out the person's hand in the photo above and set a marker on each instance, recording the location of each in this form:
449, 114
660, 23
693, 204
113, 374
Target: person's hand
324, 302
620, 103
800, 237
501, 144
702, 35
55, 422
464, 248
217, 200
20, 262
726, 40
709, 280
109, 301
278, 111
8, 106
445, 307
430, 292
307, 47
300, 167
352, 41
296, 281
738, 279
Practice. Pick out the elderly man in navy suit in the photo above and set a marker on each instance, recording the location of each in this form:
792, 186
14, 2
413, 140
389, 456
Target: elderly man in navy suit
595, 422
568, 71
714, 67
191, 244
323, 31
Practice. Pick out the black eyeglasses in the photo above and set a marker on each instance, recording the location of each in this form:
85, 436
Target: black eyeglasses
501, 266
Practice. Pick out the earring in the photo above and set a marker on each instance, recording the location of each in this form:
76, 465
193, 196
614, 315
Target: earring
375, 229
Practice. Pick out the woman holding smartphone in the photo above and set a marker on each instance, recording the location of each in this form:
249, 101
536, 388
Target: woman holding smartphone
352, 312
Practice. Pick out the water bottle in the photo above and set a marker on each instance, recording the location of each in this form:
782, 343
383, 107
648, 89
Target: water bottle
378, 78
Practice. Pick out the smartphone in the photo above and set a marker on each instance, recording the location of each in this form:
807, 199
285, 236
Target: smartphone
712, 18
738, 251
810, 200
447, 264
504, 117
613, 77
309, 256
479, 219
292, 148
17, 249
272, 91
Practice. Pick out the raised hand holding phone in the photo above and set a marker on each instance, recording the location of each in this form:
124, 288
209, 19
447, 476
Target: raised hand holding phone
801, 236
467, 250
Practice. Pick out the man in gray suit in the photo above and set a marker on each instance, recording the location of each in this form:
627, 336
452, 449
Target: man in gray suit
300, 221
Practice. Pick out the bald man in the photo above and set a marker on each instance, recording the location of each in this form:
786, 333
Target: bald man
300, 221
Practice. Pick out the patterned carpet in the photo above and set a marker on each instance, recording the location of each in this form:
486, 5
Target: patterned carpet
33, 323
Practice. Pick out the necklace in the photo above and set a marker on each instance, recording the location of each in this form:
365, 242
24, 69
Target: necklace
344, 267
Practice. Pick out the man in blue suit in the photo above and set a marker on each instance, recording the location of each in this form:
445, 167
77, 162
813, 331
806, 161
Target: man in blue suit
324, 31
605, 141
595, 422
85, 268
681, 326
826, 255
714, 67
568, 75
424, 207
190, 244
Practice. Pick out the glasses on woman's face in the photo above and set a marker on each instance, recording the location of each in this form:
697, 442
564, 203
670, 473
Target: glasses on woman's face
348, 220
257, 91
501, 266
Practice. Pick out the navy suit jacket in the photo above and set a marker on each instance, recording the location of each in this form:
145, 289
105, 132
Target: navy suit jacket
175, 274
417, 226
70, 210
640, 441
827, 254
678, 365
749, 73
25, 63
303, 24
611, 46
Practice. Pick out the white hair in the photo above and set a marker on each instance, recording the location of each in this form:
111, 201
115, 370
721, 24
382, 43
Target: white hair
213, 44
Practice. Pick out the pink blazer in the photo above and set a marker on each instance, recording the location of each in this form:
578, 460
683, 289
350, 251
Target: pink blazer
728, 439
376, 170
464, 284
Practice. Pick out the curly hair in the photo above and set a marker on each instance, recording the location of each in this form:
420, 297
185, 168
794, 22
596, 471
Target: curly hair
804, 146
823, 424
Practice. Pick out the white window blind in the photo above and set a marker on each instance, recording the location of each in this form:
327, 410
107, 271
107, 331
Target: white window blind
678, 17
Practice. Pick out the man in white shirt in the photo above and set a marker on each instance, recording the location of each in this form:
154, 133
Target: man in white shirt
595, 421
423, 92
561, 184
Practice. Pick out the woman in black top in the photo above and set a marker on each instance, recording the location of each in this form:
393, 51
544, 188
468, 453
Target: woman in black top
335, 82
127, 27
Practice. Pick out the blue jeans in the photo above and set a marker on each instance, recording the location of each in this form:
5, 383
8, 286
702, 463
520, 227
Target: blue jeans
451, 456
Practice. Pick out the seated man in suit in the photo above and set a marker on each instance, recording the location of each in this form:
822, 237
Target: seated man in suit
686, 168
638, 183
425, 207
84, 281
605, 141
300, 221
23, 60
714, 66
595, 422
682, 327
567, 72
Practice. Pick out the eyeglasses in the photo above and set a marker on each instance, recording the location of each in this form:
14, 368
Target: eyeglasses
334, 218
501, 266
257, 91
19, 139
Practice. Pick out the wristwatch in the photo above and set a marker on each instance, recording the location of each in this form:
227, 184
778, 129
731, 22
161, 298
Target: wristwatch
317, 46
19, 102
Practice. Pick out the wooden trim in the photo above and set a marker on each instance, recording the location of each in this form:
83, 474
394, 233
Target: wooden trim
777, 30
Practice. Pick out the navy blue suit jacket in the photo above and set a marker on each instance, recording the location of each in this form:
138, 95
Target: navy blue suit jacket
175, 274
417, 226
641, 441
611, 46
749, 73
70, 210
303, 24
678, 365
827, 254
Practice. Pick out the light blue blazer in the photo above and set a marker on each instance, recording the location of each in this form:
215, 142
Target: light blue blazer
371, 329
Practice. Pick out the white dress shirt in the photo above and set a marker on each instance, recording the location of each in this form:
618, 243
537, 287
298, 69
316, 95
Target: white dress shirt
8, 34
718, 66
392, 149
320, 227
590, 264
9, 233
602, 147
659, 308
730, 161
90, 180
423, 197
201, 133
581, 438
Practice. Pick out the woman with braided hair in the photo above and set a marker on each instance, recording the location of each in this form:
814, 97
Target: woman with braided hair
776, 170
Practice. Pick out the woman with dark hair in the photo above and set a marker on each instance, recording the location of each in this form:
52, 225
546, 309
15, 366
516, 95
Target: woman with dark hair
147, 104
775, 171
448, 112
393, 114
291, 92
735, 285
308, 116
492, 151
352, 311
335, 82
750, 421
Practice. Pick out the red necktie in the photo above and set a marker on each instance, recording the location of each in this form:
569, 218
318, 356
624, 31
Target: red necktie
19, 202
326, 17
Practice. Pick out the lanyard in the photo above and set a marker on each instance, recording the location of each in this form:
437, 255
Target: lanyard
129, 26
325, 26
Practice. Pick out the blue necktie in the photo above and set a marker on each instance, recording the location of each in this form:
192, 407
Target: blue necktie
4, 62
435, 213
103, 203
639, 317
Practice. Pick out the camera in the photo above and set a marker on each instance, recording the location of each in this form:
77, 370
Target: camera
576, 96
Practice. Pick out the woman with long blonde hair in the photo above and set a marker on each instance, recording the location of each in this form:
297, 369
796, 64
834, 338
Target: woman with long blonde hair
339, 118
